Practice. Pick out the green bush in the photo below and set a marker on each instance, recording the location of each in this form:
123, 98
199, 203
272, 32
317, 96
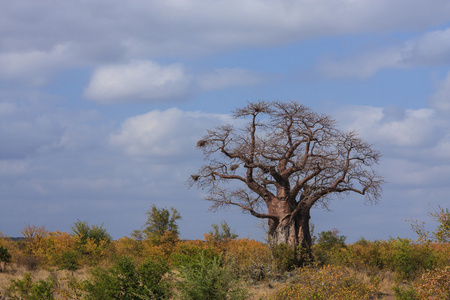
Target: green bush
327, 248
69, 260
410, 260
96, 232
404, 293
283, 257
207, 279
5, 257
126, 281
186, 254
25, 288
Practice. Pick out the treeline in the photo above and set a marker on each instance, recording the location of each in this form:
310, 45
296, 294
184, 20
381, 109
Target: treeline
153, 263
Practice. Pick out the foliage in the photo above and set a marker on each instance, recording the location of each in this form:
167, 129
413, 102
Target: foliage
207, 278
95, 232
409, 259
190, 252
327, 244
402, 293
160, 221
71, 288
61, 250
434, 284
126, 281
249, 258
442, 232
129, 247
69, 260
92, 242
35, 237
328, 282
283, 257
220, 234
25, 288
5, 257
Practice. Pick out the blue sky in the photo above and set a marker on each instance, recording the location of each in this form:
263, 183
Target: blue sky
102, 102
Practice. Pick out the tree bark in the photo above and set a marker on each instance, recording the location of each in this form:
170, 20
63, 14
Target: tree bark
295, 233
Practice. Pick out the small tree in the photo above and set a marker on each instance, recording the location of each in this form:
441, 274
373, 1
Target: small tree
220, 233
283, 161
160, 221
95, 232
442, 232
5, 257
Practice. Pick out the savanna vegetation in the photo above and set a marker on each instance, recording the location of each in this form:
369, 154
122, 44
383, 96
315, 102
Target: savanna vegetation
153, 263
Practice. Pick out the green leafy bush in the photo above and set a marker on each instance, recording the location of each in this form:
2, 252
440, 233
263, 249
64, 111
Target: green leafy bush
5, 257
405, 293
95, 232
69, 260
25, 288
207, 279
126, 281
327, 246
190, 252
283, 257
410, 259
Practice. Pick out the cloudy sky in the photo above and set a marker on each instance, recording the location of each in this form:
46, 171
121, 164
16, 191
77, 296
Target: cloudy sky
102, 102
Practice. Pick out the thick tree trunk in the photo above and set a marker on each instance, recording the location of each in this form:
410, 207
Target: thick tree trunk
295, 233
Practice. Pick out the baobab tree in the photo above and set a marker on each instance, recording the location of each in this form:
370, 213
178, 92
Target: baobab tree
282, 161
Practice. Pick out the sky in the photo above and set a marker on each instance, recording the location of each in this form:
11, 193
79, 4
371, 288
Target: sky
102, 103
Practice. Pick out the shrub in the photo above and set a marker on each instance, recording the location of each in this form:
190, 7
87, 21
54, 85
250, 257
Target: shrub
328, 245
206, 278
25, 288
404, 293
283, 257
160, 221
365, 254
5, 257
328, 282
188, 252
69, 260
409, 259
126, 281
84, 231
129, 247
248, 258
220, 234
30, 261
434, 284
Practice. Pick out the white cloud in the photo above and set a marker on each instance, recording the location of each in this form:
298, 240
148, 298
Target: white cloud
171, 133
37, 42
34, 66
410, 128
431, 48
137, 81
140, 81
226, 77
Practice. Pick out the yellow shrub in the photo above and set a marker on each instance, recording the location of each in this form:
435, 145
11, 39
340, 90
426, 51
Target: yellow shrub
328, 282
434, 284
128, 247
